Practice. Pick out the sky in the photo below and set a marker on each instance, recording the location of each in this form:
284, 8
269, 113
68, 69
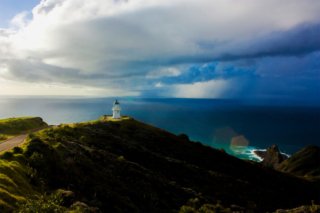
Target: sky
10, 8
243, 49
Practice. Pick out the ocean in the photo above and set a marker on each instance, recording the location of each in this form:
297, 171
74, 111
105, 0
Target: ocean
237, 126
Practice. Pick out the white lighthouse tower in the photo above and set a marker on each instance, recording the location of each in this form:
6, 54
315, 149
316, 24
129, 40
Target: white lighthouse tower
116, 110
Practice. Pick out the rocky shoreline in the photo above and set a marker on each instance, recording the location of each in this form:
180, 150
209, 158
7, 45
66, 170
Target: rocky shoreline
272, 156
262, 153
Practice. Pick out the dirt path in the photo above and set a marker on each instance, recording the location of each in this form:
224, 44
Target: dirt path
12, 142
18, 140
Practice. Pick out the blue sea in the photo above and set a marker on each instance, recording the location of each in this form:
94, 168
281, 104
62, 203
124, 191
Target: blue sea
237, 126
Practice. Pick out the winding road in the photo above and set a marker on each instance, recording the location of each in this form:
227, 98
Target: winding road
12, 142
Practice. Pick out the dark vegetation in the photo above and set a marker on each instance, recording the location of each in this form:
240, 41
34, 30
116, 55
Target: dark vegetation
128, 166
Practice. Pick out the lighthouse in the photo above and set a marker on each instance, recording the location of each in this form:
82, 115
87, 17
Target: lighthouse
116, 110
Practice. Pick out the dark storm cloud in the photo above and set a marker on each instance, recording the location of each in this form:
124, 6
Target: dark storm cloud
301, 40
139, 44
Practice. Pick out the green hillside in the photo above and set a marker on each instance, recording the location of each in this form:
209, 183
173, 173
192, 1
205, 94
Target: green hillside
304, 163
14, 126
129, 166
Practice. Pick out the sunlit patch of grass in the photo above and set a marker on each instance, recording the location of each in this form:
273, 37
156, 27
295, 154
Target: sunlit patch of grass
109, 118
6, 120
15, 175
3, 137
14, 126
14, 183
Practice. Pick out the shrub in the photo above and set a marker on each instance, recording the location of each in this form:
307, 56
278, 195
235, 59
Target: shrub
7, 155
3, 137
17, 150
121, 158
43, 203
37, 160
184, 137
36, 145
187, 209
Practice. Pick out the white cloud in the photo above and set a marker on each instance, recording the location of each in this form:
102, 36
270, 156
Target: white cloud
158, 85
20, 20
113, 45
208, 89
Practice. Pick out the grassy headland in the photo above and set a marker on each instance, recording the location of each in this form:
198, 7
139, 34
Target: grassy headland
14, 126
305, 163
129, 166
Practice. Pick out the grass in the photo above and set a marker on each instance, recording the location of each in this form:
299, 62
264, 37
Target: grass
14, 181
304, 163
15, 173
11, 127
109, 118
4, 137
124, 165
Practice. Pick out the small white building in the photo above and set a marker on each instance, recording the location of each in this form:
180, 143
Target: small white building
116, 110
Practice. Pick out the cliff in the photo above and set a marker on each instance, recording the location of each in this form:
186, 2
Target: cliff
304, 163
129, 166
272, 157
